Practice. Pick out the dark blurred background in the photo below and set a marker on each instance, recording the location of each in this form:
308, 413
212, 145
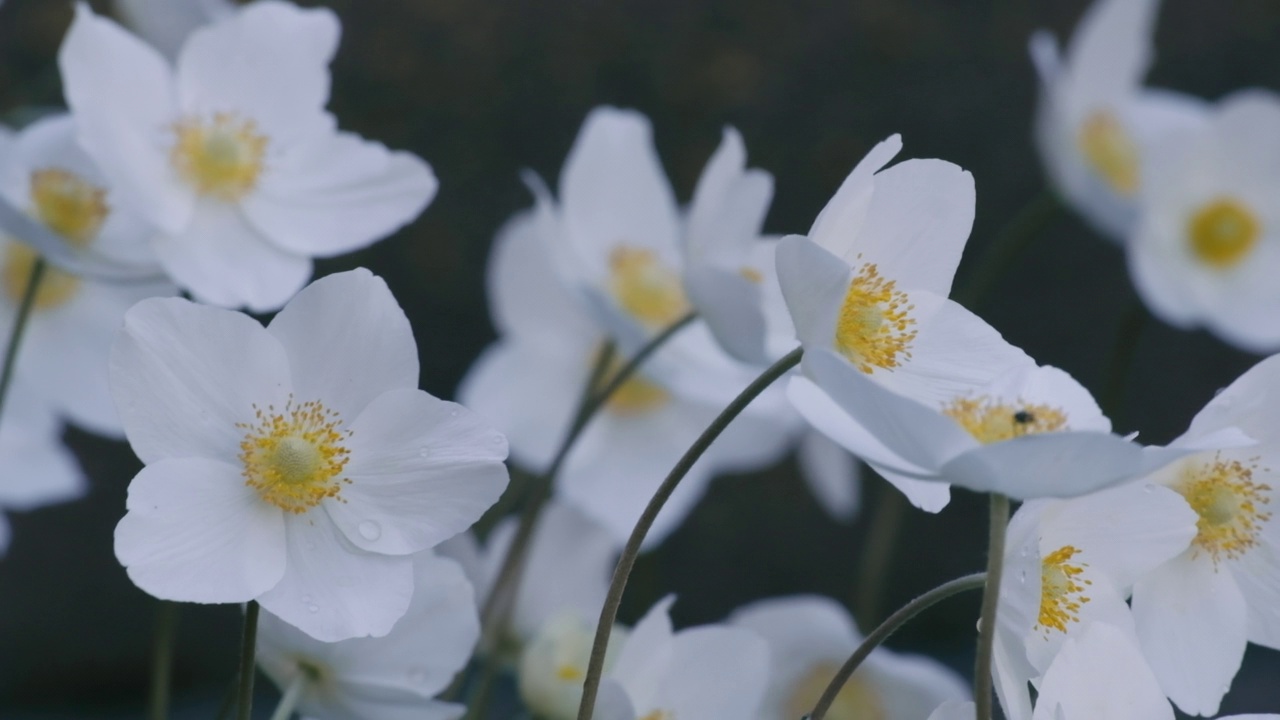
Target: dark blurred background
482, 89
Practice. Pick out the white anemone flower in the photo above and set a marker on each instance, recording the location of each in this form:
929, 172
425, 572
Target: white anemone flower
394, 677
296, 464
955, 710
1070, 564
1227, 583
73, 320
38, 469
1096, 127
530, 380
1207, 249
230, 153
1033, 433
811, 636
167, 23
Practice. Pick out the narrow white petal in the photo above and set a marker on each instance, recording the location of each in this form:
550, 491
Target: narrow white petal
839, 225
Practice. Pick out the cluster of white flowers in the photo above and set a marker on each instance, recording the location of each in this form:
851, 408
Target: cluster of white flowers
297, 467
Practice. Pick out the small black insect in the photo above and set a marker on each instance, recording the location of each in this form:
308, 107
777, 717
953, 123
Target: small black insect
1022, 417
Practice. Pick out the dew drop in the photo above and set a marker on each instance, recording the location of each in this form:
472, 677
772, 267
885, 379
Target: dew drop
314, 608
424, 451
306, 599
1146, 489
1022, 577
453, 413
369, 530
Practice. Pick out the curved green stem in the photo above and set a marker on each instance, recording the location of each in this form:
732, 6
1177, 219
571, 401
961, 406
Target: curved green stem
25, 306
248, 646
631, 550
990, 601
162, 659
887, 628
1010, 242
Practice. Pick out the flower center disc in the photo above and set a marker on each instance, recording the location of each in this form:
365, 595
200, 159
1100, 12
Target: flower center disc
295, 459
1061, 589
1222, 233
647, 289
857, 700
1230, 505
990, 422
221, 157
875, 325
1110, 152
73, 208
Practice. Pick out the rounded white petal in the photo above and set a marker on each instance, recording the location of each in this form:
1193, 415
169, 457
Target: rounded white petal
1100, 676
730, 304
348, 342
715, 672
1258, 575
910, 685
839, 225
1250, 403
38, 468
645, 657
1191, 622
183, 375
195, 533
421, 469
332, 590
728, 207
814, 284
930, 496
166, 23
224, 261
1111, 49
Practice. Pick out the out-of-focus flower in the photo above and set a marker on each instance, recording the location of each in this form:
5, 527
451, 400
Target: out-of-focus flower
553, 664
73, 321
1207, 249
394, 677
231, 155
297, 465
810, 637
38, 469
167, 23
1227, 583
955, 710
529, 383
832, 474
1097, 128
1070, 564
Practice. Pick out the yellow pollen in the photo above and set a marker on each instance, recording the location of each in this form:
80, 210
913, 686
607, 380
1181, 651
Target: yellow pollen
294, 459
1222, 233
990, 422
645, 287
221, 157
569, 673
69, 205
1109, 150
875, 326
751, 274
636, 395
1230, 504
857, 700
659, 715
1061, 589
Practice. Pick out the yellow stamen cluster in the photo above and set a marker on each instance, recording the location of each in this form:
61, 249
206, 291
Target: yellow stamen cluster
659, 715
1222, 233
989, 421
635, 396
751, 274
1061, 589
857, 700
1230, 504
69, 205
567, 672
295, 458
875, 326
221, 157
1109, 150
645, 287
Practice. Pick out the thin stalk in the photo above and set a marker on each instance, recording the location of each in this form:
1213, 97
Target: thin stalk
292, 694
609, 613
878, 549
990, 601
1010, 242
25, 306
162, 659
248, 645
887, 628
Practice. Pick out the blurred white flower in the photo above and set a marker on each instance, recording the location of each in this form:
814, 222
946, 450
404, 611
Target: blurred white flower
74, 321
167, 23
1097, 128
1069, 564
38, 469
297, 465
1228, 581
955, 710
553, 664
810, 637
394, 677
1207, 247
231, 155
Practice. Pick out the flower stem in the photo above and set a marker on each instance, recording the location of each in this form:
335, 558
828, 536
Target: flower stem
990, 601
631, 550
292, 694
162, 659
25, 306
887, 628
1010, 242
248, 645
877, 550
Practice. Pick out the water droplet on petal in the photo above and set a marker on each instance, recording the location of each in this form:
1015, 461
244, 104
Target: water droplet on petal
306, 599
369, 530
314, 608
453, 413
1022, 577
424, 451
1146, 489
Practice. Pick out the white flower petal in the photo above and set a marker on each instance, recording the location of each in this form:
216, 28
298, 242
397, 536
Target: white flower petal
1111, 49
222, 260
421, 469
928, 495
644, 659
838, 226
340, 193
715, 672
121, 92
183, 375
38, 468
331, 589
1258, 575
1100, 676
955, 710
194, 532
814, 283
912, 685
1191, 622
167, 23
348, 342
1250, 403
730, 304
832, 474
728, 207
